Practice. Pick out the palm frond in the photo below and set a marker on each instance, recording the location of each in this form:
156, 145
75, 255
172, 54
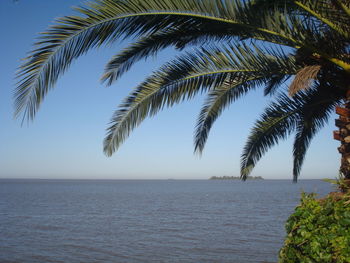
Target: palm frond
183, 78
334, 14
150, 45
281, 118
275, 82
218, 99
277, 122
328, 12
324, 30
313, 116
106, 21
304, 79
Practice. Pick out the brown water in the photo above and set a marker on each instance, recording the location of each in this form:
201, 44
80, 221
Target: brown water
146, 221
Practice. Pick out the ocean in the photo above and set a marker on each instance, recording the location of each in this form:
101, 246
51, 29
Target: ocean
147, 220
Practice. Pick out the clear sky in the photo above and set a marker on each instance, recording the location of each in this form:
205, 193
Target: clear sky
65, 139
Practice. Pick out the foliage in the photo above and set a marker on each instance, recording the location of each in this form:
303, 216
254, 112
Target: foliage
236, 46
318, 231
341, 182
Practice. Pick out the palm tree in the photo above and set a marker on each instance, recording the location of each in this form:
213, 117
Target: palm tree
237, 46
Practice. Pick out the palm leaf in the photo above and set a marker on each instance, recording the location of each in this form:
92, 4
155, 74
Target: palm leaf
150, 45
334, 14
275, 82
281, 118
268, 67
304, 78
106, 21
276, 123
325, 27
183, 78
313, 116
218, 99
331, 13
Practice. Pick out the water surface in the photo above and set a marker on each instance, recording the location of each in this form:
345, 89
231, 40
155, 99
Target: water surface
146, 221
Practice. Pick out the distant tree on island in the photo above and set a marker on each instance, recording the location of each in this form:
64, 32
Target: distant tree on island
235, 178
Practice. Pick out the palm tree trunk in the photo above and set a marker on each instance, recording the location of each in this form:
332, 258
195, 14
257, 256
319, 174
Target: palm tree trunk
343, 135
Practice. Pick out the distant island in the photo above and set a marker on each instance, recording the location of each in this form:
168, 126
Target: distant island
235, 178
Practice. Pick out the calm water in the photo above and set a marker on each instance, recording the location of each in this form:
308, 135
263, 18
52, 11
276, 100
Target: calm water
146, 221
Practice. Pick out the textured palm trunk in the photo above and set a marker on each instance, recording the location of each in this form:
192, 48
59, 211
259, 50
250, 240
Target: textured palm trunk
343, 135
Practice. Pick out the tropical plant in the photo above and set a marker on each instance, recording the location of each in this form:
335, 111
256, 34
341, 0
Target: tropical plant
318, 231
236, 46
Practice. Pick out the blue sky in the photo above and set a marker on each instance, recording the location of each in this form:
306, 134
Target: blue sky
65, 139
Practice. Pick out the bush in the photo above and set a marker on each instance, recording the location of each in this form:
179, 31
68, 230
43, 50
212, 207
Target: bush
318, 231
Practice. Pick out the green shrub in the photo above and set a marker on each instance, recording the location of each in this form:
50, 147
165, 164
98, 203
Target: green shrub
318, 231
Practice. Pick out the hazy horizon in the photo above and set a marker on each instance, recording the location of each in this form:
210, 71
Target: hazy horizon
141, 179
